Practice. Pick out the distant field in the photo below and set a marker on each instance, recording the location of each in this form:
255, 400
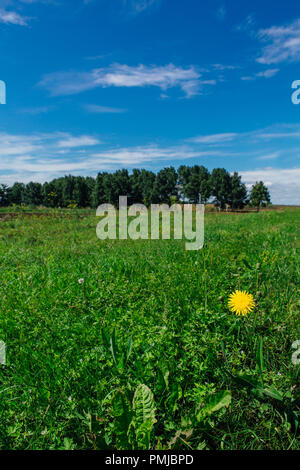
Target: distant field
149, 313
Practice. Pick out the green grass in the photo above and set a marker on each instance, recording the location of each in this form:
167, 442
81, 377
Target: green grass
63, 388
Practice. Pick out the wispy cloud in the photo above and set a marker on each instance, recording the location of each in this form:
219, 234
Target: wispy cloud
96, 109
41, 157
267, 134
247, 25
34, 111
45, 156
17, 144
269, 73
117, 75
282, 43
214, 138
81, 141
12, 17
269, 156
279, 131
149, 153
223, 67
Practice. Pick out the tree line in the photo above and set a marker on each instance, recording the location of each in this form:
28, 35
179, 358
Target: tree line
188, 184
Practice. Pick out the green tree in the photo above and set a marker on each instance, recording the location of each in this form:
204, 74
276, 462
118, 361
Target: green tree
141, 186
147, 179
198, 187
184, 176
220, 183
49, 195
98, 193
121, 185
238, 195
4, 195
259, 195
16, 193
165, 186
67, 186
80, 193
90, 184
115, 185
33, 194
136, 187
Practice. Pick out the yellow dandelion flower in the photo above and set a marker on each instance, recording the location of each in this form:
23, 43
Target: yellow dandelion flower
241, 303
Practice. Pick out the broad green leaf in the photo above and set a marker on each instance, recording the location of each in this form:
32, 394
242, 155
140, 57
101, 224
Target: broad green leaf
257, 388
269, 391
246, 380
214, 403
143, 415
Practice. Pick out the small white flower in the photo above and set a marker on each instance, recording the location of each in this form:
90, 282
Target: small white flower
81, 281
70, 398
43, 433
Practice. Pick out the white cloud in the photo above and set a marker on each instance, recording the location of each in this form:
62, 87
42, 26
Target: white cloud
223, 67
36, 110
139, 155
275, 132
17, 144
269, 156
11, 17
269, 73
214, 138
282, 43
118, 75
94, 108
280, 131
46, 156
81, 141
42, 157
283, 184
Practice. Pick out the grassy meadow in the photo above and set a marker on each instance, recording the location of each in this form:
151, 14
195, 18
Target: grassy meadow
145, 353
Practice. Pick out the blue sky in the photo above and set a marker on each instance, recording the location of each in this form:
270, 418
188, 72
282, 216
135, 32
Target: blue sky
96, 85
